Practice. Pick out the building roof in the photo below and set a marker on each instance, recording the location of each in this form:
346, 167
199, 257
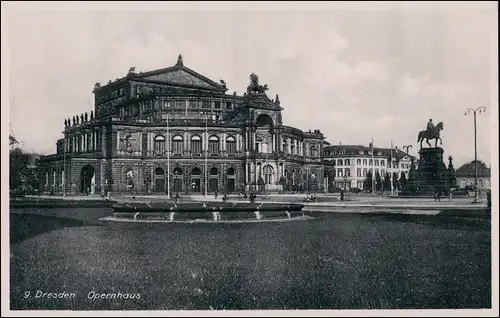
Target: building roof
178, 75
355, 150
468, 170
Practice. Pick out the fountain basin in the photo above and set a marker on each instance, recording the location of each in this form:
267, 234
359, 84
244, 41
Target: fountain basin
212, 211
205, 207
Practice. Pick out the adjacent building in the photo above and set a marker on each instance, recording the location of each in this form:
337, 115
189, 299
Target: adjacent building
466, 175
354, 163
175, 130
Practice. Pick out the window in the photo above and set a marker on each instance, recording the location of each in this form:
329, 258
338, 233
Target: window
177, 144
46, 178
180, 104
358, 162
364, 162
376, 162
347, 162
159, 146
358, 172
382, 163
217, 104
388, 165
395, 165
268, 171
196, 144
229, 105
230, 145
364, 172
205, 104
213, 144
285, 145
370, 162
347, 172
339, 173
340, 162
193, 103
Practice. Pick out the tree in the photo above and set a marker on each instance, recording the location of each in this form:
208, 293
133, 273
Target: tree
23, 174
378, 181
368, 181
395, 181
387, 181
403, 182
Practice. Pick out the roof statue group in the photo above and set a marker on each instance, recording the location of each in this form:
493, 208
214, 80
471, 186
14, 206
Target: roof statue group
83, 118
432, 132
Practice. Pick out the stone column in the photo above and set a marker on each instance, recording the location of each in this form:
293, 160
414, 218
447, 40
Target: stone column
152, 178
102, 175
118, 142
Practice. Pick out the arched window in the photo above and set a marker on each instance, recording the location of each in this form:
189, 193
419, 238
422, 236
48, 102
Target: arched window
230, 172
358, 162
213, 144
340, 162
196, 171
268, 171
364, 162
196, 144
376, 162
370, 162
347, 162
214, 171
388, 165
382, 163
230, 145
177, 171
177, 144
285, 145
159, 146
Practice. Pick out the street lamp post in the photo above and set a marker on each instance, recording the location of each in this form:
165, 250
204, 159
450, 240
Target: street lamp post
407, 147
468, 111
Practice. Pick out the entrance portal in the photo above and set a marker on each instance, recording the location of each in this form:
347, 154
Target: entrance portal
87, 180
159, 180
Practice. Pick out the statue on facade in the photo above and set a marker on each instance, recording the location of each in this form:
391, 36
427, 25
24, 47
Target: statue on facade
97, 85
65, 123
223, 83
432, 132
74, 121
277, 101
179, 60
81, 118
131, 70
91, 114
76, 117
86, 117
254, 86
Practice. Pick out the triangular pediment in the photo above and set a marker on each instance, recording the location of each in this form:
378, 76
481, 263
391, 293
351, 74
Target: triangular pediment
182, 76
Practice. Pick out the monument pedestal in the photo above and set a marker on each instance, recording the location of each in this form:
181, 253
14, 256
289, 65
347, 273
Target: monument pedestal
431, 175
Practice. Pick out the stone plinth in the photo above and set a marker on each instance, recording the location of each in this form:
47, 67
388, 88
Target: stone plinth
431, 174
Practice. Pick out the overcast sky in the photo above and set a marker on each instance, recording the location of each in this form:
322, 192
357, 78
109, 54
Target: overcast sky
354, 71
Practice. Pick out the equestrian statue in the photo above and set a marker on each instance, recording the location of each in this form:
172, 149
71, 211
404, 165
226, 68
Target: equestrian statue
432, 132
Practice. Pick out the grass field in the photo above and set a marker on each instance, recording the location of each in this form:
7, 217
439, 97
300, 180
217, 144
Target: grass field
333, 262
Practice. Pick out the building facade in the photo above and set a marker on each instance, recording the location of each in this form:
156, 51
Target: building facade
354, 163
466, 175
174, 130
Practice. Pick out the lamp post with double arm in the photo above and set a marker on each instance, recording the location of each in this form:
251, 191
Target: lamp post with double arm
469, 111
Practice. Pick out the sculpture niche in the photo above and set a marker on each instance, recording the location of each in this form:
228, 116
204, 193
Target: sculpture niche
432, 132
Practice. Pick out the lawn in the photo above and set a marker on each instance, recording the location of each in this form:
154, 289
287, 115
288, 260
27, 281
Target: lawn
333, 262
